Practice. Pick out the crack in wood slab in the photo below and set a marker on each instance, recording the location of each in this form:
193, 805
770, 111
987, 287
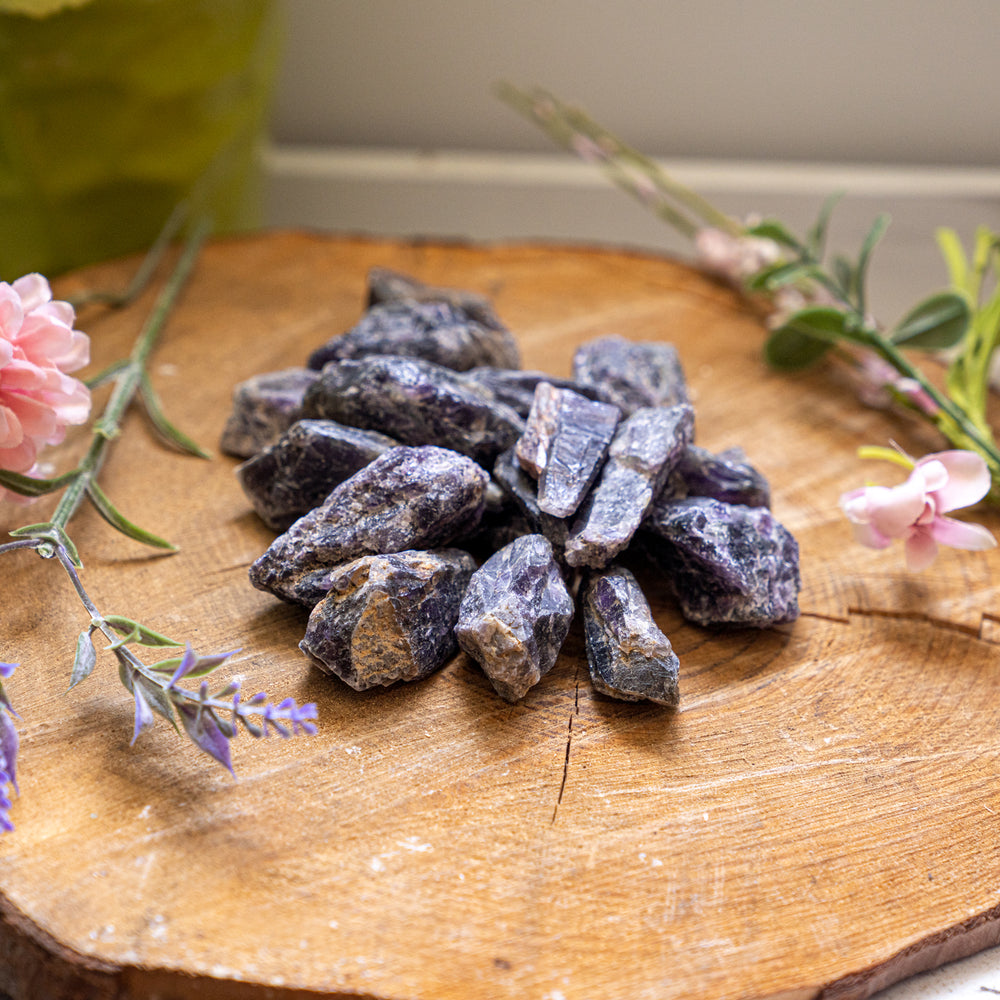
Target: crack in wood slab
569, 744
976, 631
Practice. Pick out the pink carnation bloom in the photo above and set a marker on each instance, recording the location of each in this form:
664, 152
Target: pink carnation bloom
913, 510
39, 399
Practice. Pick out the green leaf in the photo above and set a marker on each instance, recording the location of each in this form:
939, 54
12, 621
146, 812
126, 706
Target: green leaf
164, 427
817, 235
820, 322
877, 231
110, 513
204, 666
934, 324
85, 659
27, 486
137, 632
772, 229
54, 535
158, 700
954, 257
789, 350
782, 274
845, 275
107, 375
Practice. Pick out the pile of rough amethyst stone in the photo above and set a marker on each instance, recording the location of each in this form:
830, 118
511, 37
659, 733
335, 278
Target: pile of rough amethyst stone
431, 495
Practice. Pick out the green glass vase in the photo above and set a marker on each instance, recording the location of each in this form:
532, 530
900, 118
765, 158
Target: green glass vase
114, 111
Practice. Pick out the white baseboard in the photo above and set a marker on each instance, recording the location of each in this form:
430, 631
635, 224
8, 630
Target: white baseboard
516, 196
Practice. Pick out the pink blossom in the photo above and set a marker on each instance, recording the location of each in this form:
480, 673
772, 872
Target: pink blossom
39, 399
734, 257
877, 377
913, 510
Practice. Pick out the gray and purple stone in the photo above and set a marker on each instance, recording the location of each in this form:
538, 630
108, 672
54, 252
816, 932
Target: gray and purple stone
515, 616
565, 442
727, 476
416, 402
433, 330
296, 473
408, 498
629, 657
523, 490
631, 374
727, 564
646, 447
264, 407
391, 286
517, 388
389, 618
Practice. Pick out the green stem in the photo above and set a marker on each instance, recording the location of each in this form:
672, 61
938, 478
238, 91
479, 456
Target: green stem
127, 383
964, 431
564, 125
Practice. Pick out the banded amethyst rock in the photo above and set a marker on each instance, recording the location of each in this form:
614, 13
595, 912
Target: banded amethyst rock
630, 373
408, 498
264, 407
727, 564
629, 657
389, 618
646, 447
435, 331
517, 388
296, 473
391, 286
522, 489
416, 402
727, 476
565, 442
515, 616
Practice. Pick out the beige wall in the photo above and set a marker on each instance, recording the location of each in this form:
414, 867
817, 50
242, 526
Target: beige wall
874, 81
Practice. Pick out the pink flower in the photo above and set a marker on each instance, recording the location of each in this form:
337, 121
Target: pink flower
913, 510
734, 257
39, 399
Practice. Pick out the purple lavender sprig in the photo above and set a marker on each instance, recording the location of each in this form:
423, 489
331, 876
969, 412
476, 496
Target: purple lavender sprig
8, 749
210, 721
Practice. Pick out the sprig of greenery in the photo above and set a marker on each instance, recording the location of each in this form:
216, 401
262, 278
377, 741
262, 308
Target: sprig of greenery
961, 324
209, 719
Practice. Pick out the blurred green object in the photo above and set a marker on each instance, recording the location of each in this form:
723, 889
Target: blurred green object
113, 112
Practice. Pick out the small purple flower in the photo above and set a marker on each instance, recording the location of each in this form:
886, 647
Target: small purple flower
202, 727
143, 712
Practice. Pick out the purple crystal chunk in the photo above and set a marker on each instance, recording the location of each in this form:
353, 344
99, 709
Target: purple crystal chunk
629, 657
517, 388
727, 564
645, 448
264, 407
515, 615
565, 441
408, 498
631, 373
522, 489
391, 286
296, 473
433, 330
389, 618
416, 402
727, 476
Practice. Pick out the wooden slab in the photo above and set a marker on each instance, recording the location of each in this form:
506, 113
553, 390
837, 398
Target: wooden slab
820, 818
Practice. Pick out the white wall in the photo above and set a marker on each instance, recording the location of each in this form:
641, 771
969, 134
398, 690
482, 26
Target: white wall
386, 122
890, 81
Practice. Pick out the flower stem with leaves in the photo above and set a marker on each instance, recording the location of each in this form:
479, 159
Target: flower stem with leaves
210, 719
815, 306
